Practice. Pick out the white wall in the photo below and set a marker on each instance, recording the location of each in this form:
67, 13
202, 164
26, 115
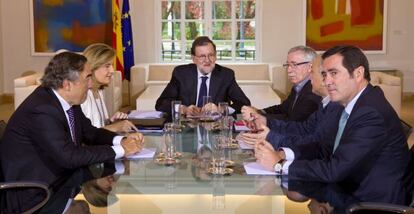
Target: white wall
282, 28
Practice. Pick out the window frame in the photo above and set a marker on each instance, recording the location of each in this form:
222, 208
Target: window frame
208, 30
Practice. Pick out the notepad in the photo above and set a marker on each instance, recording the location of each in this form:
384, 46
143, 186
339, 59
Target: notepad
145, 153
145, 114
244, 145
254, 168
239, 126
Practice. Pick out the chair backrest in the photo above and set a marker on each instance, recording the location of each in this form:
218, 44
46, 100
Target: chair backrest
2, 128
406, 128
22, 185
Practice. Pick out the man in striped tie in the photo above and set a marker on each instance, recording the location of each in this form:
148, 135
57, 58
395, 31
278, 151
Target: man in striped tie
48, 134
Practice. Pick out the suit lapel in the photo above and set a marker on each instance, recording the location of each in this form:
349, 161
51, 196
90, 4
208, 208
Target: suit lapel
193, 81
214, 83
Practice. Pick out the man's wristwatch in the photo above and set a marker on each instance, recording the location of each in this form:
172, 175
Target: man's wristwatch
279, 166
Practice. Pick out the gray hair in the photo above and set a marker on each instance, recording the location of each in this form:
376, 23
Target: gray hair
308, 53
63, 66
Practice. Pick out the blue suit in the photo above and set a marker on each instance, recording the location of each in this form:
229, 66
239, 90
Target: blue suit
371, 157
283, 133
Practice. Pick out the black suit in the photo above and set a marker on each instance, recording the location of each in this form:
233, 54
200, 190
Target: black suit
37, 144
306, 103
183, 86
371, 157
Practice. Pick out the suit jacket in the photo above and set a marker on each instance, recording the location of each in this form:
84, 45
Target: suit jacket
37, 144
284, 133
183, 86
306, 103
371, 157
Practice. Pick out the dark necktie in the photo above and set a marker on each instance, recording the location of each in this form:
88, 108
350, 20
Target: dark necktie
71, 116
202, 92
342, 123
296, 88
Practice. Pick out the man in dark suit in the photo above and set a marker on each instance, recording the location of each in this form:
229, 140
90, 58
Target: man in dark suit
189, 83
48, 135
301, 101
281, 132
362, 147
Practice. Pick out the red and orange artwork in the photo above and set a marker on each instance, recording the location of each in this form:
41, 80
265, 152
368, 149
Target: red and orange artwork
345, 22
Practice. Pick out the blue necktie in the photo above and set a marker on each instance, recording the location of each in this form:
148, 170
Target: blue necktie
202, 92
342, 123
71, 116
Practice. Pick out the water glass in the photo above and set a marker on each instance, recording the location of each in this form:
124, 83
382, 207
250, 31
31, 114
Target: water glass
207, 108
223, 108
169, 142
218, 160
176, 113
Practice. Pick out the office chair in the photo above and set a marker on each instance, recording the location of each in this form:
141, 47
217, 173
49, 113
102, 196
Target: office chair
20, 185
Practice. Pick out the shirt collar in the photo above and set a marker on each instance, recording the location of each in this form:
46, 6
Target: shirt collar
350, 105
202, 75
65, 105
301, 84
325, 101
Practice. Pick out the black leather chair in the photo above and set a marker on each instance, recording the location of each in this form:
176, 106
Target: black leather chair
4, 186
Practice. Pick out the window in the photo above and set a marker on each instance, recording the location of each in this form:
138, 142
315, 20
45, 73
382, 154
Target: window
231, 24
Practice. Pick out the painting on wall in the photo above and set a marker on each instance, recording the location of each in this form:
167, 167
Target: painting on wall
69, 24
346, 22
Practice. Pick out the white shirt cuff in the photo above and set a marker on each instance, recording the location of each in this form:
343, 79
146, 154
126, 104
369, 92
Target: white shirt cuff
289, 154
119, 151
285, 167
117, 140
119, 168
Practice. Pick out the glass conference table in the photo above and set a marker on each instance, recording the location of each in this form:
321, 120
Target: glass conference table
146, 186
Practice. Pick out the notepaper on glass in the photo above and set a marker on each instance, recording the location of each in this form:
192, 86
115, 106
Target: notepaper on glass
144, 153
254, 168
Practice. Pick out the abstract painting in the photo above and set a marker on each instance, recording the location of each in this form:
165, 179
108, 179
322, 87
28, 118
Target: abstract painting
346, 22
69, 24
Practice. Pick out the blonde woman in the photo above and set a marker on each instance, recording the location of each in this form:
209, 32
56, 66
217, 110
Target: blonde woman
100, 58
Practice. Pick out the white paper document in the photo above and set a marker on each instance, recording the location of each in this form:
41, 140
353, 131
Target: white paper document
145, 153
244, 145
145, 114
254, 168
238, 127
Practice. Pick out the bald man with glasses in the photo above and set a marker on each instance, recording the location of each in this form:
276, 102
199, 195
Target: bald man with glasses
301, 102
189, 83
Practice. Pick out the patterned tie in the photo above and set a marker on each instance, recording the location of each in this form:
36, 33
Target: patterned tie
202, 92
72, 123
342, 123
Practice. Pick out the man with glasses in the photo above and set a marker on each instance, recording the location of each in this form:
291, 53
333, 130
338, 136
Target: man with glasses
301, 101
190, 83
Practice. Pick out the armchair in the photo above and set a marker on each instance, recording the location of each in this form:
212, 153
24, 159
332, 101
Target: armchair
391, 85
25, 85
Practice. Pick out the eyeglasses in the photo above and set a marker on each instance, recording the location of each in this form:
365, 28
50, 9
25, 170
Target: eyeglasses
293, 65
211, 57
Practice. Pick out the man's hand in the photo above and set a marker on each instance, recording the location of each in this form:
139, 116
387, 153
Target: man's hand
267, 156
191, 110
247, 111
121, 126
119, 116
133, 143
209, 108
253, 138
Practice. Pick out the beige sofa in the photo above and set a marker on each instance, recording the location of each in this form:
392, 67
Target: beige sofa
391, 85
23, 86
255, 79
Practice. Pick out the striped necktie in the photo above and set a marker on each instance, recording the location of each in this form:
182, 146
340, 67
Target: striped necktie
71, 116
342, 123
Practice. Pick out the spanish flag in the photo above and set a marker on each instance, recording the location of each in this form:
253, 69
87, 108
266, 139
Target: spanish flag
117, 37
